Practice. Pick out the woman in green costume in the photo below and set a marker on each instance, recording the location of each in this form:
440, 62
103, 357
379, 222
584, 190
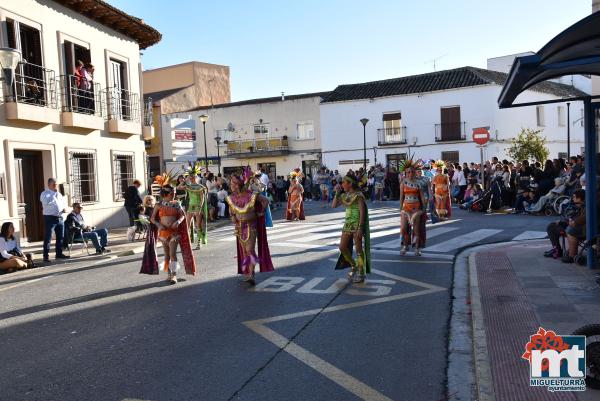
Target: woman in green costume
197, 205
355, 231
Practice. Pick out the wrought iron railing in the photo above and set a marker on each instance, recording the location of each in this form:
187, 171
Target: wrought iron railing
34, 84
122, 104
148, 119
390, 136
79, 95
455, 131
266, 145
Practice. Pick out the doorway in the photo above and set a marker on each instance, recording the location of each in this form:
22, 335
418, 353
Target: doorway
29, 178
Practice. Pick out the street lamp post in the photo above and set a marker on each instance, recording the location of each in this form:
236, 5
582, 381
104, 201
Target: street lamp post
568, 130
204, 119
218, 139
364, 122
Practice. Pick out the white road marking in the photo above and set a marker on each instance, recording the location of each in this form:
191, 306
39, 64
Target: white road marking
463, 240
403, 260
325, 368
526, 235
432, 233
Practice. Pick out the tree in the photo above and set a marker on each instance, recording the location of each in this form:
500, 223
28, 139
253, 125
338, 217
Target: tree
528, 145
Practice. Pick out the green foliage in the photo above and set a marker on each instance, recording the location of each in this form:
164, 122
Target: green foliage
528, 145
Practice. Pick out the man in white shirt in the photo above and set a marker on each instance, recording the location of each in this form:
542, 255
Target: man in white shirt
264, 178
54, 205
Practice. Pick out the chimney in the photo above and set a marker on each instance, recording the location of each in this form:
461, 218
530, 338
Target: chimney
283, 93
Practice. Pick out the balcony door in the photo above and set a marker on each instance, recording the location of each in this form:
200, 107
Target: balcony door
392, 125
30, 82
117, 94
450, 123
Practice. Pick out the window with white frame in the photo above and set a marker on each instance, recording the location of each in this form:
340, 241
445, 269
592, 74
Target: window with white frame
561, 116
539, 113
305, 130
83, 176
123, 165
262, 129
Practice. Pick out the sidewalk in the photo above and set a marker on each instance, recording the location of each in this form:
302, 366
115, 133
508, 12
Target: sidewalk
514, 291
117, 243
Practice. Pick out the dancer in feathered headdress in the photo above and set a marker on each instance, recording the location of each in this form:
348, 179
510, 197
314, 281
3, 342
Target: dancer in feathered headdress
355, 233
170, 228
247, 211
441, 190
197, 204
295, 204
413, 207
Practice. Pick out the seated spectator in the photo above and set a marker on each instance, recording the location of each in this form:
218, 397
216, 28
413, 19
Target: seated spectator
558, 190
148, 205
75, 221
524, 200
476, 194
11, 256
576, 229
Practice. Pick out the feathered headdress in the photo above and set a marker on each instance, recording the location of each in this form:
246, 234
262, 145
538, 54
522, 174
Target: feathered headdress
165, 179
296, 173
244, 179
410, 163
193, 169
439, 164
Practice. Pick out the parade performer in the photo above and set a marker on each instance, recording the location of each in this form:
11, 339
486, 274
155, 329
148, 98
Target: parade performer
441, 191
247, 211
197, 204
355, 232
412, 208
323, 180
170, 228
295, 205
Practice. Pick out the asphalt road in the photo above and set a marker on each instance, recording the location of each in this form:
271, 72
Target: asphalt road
104, 332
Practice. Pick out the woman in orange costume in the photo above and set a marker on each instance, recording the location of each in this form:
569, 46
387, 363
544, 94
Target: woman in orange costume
412, 206
170, 228
441, 190
295, 206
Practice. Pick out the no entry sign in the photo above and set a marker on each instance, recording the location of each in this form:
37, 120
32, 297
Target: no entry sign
481, 135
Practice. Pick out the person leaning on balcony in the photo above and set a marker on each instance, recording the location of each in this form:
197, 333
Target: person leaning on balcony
88, 88
54, 206
133, 201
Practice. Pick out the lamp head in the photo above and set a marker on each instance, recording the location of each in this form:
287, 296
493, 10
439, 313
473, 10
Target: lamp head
218, 139
9, 58
203, 118
364, 121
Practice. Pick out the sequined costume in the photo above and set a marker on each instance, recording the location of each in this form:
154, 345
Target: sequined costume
441, 187
197, 199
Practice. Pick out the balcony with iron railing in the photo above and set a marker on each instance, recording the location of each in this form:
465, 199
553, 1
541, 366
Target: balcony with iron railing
449, 132
391, 136
123, 111
148, 121
268, 146
32, 96
83, 105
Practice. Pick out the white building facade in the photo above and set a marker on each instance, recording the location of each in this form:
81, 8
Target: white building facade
431, 116
86, 134
276, 134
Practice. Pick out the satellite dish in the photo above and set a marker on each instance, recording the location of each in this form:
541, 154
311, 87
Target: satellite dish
230, 127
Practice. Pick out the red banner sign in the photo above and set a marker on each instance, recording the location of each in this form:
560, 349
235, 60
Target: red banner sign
185, 135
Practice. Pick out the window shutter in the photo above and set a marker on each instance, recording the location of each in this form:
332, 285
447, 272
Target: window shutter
69, 57
392, 116
10, 31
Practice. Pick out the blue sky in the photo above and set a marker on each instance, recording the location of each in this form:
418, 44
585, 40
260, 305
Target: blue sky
314, 45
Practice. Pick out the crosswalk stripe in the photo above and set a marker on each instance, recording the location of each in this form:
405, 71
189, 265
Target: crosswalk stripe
432, 233
463, 240
525, 235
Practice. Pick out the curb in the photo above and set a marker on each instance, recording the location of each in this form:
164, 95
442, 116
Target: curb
469, 375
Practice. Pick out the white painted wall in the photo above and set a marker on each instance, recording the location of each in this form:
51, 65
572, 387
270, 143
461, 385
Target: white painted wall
282, 118
342, 132
57, 24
